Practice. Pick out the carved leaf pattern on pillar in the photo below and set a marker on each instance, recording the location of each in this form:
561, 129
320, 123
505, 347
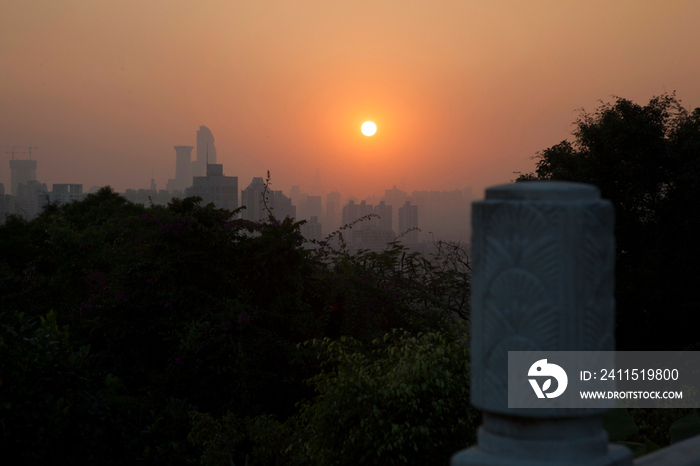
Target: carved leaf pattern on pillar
522, 271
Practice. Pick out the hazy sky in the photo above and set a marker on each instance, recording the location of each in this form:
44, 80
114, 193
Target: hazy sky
463, 92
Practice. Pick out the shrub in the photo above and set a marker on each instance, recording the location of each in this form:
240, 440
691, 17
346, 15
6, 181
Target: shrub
404, 402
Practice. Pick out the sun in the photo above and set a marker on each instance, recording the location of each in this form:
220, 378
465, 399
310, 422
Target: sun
369, 128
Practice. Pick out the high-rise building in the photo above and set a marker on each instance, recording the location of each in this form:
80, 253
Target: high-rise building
333, 198
8, 206
352, 212
395, 197
21, 171
65, 193
372, 239
215, 187
252, 199
313, 207
384, 222
332, 218
30, 196
363, 210
281, 206
373, 234
408, 218
295, 194
183, 172
206, 151
312, 229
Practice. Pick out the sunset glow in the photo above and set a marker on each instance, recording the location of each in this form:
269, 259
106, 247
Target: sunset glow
462, 93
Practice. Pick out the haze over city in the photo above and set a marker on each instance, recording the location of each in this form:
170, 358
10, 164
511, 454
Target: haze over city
334, 232
462, 93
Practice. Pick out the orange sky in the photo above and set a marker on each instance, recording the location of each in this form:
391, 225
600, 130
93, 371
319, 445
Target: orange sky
463, 92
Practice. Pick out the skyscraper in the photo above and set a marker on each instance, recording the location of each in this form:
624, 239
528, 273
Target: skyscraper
215, 187
21, 171
206, 151
385, 216
281, 206
352, 212
295, 194
65, 193
395, 197
183, 173
332, 211
312, 229
408, 218
313, 207
30, 196
252, 199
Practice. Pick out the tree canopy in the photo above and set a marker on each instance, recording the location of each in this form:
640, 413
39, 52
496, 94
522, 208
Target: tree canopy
123, 326
646, 160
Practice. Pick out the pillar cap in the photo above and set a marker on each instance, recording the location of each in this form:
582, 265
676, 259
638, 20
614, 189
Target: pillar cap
544, 190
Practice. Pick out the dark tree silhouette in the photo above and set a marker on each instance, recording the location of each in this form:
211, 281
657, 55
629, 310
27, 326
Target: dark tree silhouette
646, 160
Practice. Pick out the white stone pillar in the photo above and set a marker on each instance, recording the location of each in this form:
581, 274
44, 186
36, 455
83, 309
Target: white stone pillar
542, 280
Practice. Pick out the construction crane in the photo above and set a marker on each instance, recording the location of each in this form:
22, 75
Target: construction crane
13, 152
25, 147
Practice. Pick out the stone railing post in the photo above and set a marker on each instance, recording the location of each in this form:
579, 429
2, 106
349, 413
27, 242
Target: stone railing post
543, 280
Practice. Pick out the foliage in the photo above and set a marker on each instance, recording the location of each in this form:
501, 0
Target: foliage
406, 402
644, 430
187, 308
646, 161
436, 288
40, 375
219, 438
401, 399
54, 405
262, 440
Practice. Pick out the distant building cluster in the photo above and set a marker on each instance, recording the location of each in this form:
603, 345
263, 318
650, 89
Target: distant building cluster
28, 197
416, 219
260, 203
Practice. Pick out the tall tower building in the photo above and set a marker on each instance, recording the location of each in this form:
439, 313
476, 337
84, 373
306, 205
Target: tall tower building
365, 209
395, 197
252, 199
30, 196
312, 229
21, 172
408, 218
281, 206
206, 151
385, 216
295, 194
183, 159
215, 187
313, 207
333, 209
350, 213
